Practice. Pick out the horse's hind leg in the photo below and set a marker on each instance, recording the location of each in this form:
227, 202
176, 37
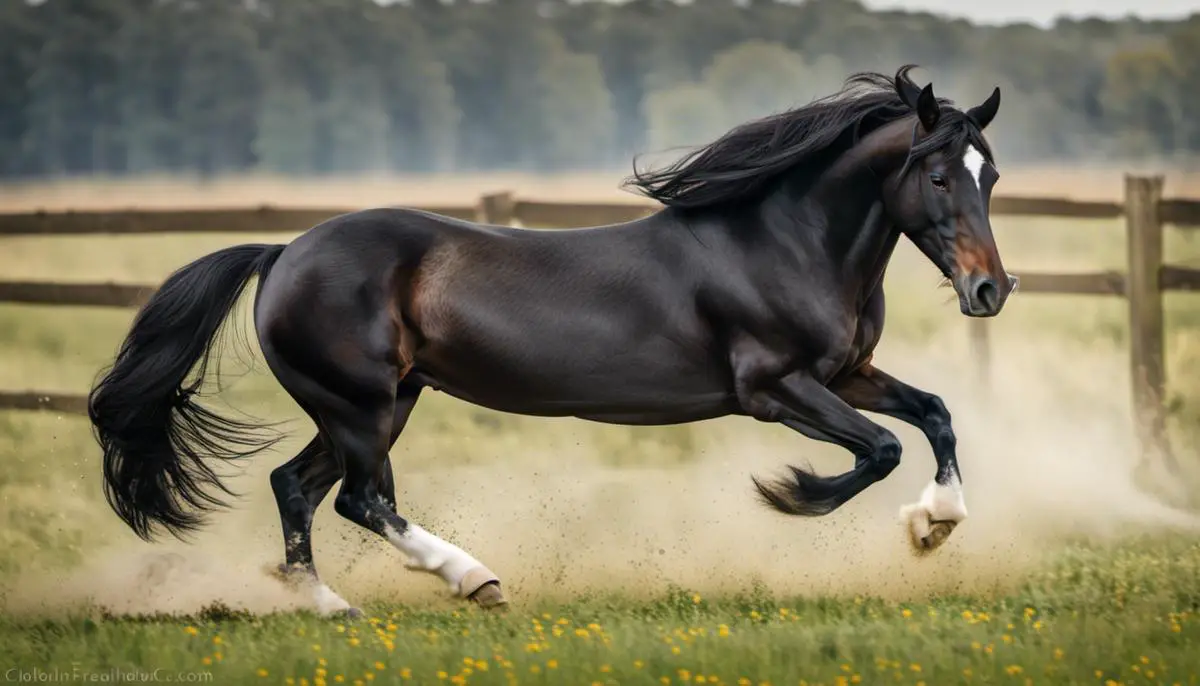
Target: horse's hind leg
360, 433
300, 485
303, 482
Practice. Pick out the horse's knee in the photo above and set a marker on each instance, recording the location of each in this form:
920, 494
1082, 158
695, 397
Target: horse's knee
885, 456
352, 505
289, 496
283, 481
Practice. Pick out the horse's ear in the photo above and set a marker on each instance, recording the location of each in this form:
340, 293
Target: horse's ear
906, 88
983, 114
928, 110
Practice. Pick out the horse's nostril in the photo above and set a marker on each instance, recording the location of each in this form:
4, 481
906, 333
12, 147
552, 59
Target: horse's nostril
987, 294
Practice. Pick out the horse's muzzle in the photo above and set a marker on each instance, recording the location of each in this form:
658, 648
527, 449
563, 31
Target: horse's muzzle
980, 295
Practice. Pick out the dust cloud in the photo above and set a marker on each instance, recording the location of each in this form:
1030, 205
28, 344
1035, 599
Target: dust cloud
1046, 452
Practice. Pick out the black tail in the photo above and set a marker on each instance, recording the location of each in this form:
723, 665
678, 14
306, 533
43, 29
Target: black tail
154, 434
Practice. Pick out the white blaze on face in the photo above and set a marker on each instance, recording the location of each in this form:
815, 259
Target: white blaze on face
428, 553
973, 160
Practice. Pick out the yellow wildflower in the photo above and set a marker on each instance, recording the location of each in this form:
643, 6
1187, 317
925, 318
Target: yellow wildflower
262, 672
191, 630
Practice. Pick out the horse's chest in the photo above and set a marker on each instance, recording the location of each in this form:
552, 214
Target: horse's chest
862, 346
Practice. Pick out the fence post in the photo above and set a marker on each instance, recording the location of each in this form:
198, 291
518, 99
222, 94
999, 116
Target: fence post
497, 208
1146, 348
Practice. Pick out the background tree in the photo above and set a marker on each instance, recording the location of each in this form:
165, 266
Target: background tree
341, 86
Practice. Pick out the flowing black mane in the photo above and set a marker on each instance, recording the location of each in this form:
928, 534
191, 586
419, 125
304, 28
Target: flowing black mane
745, 159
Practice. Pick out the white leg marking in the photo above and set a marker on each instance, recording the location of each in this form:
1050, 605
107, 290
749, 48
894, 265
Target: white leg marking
428, 553
931, 519
327, 601
973, 160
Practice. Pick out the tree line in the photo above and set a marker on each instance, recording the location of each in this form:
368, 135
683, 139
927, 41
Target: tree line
337, 86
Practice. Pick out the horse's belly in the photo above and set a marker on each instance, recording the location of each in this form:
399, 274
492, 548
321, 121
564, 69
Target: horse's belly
652, 385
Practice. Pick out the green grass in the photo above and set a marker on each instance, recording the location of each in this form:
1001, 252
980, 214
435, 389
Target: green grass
1130, 614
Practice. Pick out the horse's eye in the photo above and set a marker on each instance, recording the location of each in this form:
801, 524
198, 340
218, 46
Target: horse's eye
938, 181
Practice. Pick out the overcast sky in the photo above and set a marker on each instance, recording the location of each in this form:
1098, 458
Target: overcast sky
1043, 12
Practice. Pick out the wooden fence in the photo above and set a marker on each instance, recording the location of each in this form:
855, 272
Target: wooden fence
1143, 283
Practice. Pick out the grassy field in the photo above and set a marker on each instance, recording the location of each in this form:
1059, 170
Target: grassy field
1117, 616
626, 550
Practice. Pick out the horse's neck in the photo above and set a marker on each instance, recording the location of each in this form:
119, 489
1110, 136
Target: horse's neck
840, 220
860, 235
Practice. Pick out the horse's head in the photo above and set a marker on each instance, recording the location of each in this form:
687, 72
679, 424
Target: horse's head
940, 197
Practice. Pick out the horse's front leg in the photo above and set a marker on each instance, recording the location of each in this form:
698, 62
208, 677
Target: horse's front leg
804, 405
941, 507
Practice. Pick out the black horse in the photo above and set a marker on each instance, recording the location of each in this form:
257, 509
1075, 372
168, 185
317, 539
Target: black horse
756, 290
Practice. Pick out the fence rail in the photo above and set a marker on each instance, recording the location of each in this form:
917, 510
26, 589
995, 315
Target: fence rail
1142, 284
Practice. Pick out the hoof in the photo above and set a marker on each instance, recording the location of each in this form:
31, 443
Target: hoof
482, 587
924, 534
938, 533
489, 597
289, 576
350, 613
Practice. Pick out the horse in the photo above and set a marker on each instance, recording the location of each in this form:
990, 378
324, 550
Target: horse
756, 290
